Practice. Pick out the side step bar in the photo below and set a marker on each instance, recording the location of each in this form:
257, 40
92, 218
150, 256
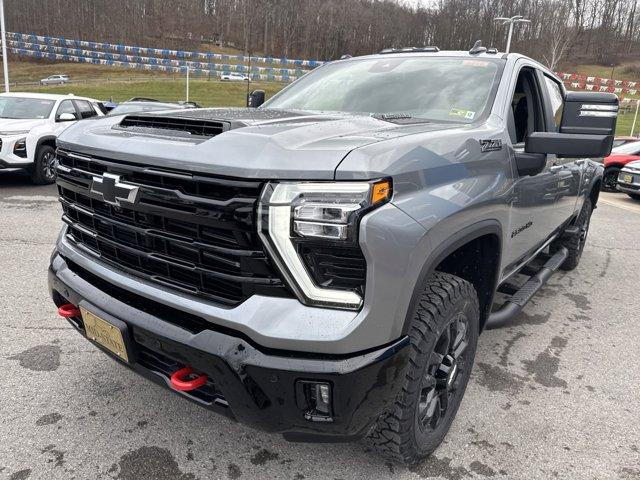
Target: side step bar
515, 304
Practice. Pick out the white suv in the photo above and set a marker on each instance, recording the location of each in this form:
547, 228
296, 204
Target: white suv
29, 126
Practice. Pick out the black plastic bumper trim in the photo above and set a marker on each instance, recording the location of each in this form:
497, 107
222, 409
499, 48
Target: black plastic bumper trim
255, 388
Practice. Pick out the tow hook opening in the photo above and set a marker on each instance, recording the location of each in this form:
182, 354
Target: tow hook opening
68, 310
186, 379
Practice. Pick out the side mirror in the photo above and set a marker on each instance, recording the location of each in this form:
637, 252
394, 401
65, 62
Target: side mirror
589, 113
569, 144
255, 99
530, 163
66, 117
587, 128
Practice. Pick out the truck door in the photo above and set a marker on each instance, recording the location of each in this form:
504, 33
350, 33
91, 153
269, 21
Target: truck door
534, 216
570, 170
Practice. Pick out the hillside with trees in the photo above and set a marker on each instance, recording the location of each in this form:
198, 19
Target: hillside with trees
589, 31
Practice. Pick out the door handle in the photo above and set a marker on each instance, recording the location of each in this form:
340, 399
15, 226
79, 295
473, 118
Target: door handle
555, 168
580, 162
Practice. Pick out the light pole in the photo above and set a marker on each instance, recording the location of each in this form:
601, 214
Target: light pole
511, 21
5, 65
635, 117
187, 93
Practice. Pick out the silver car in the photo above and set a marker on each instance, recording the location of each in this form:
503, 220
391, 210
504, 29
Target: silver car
55, 80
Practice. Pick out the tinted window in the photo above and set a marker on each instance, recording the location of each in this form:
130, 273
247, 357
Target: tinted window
17, 107
66, 106
85, 108
631, 148
557, 100
455, 89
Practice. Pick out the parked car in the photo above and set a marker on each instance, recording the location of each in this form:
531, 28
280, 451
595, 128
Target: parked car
619, 157
148, 105
234, 77
629, 179
55, 80
619, 141
322, 266
29, 125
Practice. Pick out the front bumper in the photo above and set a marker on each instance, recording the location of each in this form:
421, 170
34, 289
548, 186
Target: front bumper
258, 387
626, 186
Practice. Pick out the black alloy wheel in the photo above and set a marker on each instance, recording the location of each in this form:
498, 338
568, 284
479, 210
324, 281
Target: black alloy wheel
442, 375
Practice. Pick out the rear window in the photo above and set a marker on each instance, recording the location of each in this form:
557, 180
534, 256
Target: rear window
631, 148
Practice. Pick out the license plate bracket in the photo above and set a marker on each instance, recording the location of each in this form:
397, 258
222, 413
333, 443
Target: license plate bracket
108, 332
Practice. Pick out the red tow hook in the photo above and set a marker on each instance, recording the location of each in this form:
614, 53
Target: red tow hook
186, 380
68, 310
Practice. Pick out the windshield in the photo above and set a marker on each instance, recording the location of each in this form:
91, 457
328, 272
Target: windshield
631, 148
24, 108
434, 88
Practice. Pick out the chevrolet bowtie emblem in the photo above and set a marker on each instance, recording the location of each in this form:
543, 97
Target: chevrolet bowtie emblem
113, 191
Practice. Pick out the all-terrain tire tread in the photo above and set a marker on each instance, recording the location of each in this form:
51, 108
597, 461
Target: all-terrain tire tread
392, 434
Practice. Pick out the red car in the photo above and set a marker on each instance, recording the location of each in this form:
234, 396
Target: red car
619, 157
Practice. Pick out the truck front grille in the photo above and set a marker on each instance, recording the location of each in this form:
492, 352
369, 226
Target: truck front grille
190, 232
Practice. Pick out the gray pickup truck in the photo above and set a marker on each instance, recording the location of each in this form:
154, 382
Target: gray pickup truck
321, 266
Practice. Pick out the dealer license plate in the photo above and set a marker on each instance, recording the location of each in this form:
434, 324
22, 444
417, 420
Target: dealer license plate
104, 333
626, 178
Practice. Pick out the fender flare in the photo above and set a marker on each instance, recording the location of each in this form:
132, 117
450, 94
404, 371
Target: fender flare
442, 251
43, 139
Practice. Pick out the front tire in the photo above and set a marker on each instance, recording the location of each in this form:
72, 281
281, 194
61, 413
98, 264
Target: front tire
43, 171
444, 334
610, 179
635, 196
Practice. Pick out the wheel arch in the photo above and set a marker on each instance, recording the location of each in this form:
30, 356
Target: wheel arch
474, 254
46, 140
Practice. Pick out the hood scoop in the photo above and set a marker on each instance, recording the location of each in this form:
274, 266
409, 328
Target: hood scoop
175, 126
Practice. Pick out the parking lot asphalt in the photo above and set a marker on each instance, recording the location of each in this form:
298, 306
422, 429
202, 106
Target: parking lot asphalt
555, 396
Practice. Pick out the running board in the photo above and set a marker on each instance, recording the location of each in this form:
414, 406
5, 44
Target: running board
516, 303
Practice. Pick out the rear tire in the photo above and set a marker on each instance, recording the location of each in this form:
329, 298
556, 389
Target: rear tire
43, 171
610, 179
444, 334
575, 243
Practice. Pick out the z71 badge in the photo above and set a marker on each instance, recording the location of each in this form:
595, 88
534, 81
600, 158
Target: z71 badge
490, 145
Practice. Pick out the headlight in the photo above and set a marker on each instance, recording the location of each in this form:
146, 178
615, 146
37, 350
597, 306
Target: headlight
306, 226
20, 148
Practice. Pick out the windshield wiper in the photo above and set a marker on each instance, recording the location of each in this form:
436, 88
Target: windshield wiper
399, 118
392, 116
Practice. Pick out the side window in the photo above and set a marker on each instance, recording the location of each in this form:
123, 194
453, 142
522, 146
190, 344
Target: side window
525, 115
85, 108
557, 101
66, 106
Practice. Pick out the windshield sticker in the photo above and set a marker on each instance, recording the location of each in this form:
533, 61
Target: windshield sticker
460, 113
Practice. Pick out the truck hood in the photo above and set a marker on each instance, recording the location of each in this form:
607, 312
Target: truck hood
8, 125
257, 143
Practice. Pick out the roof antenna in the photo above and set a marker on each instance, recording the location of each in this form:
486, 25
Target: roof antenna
477, 48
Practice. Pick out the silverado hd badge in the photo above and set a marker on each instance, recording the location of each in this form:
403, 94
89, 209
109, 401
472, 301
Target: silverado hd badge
113, 191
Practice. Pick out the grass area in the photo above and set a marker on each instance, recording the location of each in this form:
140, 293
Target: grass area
26, 71
207, 93
625, 120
